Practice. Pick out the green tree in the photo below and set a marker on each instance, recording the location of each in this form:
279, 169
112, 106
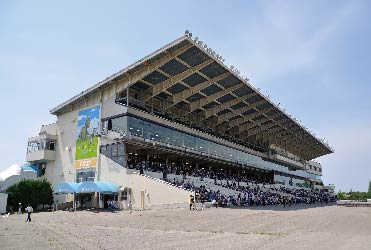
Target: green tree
341, 195
369, 189
360, 196
34, 192
46, 193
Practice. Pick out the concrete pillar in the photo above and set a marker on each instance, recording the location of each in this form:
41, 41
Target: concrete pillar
127, 96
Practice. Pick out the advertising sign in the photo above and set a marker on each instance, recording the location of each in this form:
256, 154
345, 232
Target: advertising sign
87, 138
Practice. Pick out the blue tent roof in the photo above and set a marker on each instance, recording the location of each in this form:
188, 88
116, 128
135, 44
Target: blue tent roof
66, 188
98, 186
31, 168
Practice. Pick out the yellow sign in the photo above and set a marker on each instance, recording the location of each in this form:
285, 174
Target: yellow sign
86, 163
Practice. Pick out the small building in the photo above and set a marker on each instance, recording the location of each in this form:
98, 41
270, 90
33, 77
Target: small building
16, 174
3, 202
11, 176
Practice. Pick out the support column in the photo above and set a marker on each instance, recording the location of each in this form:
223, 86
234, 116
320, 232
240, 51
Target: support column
127, 96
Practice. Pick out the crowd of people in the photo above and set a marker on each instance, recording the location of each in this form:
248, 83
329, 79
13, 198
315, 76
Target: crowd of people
245, 190
216, 173
256, 196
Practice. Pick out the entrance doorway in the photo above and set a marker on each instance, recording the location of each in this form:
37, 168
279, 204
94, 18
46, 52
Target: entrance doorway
85, 200
107, 197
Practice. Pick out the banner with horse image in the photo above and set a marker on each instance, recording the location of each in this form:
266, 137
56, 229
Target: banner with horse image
87, 138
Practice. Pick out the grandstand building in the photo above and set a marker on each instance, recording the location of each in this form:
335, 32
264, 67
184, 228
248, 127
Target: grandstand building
177, 111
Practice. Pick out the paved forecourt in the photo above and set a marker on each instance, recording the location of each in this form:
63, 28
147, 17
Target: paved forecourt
330, 227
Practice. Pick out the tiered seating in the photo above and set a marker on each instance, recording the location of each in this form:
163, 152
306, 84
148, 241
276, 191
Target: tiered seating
227, 189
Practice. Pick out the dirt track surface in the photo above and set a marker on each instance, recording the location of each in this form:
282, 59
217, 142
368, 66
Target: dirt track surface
330, 227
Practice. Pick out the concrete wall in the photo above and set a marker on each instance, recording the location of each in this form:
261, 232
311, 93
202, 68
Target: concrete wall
157, 194
50, 129
110, 108
59, 170
42, 154
67, 135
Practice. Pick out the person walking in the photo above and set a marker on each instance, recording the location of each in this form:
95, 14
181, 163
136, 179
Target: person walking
20, 209
130, 207
109, 204
191, 202
214, 203
202, 199
29, 210
112, 205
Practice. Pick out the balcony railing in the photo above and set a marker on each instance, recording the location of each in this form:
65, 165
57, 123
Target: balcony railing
287, 161
41, 155
125, 136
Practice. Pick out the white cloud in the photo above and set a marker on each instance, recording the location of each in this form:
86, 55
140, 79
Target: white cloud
81, 117
94, 124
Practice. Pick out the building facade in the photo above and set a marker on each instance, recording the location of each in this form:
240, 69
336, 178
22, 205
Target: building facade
174, 112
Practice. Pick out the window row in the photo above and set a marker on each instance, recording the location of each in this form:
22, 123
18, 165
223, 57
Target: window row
82, 176
136, 127
34, 146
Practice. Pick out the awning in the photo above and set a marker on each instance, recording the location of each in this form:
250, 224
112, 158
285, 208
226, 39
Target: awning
33, 168
67, 188
98, 187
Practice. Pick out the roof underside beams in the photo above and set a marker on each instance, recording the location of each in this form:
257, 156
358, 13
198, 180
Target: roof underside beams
196, 89
184, 83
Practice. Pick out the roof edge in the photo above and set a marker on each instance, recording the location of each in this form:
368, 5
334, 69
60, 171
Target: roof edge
106, 81
266, 98
57, 109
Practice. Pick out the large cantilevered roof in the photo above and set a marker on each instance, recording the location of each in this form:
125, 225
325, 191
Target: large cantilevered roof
189, 80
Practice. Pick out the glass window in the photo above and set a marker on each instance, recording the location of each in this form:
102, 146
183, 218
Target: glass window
85, 175
81, 176
109, 151
119, 124
148, 130
40, 145
121, 160
124, 195
103, 149
105, 126
189, 142
52, 146
160, 134
114, 150
121, 149
90, 175
177, 139
137, 128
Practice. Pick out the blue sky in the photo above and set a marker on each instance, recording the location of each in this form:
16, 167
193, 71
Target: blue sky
313, 57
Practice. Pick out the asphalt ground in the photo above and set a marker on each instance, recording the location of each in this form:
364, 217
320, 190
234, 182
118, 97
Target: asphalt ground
297, 227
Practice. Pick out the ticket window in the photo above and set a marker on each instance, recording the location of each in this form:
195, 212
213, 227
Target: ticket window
126, 194
125, 197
